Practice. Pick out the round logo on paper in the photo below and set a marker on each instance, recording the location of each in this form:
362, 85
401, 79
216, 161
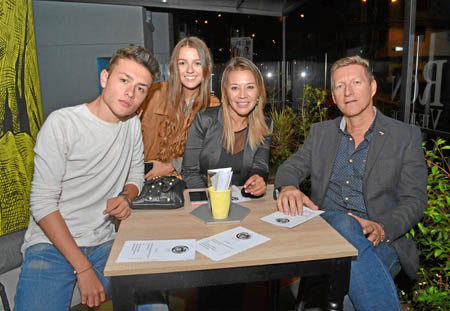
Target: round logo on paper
243, 236
282, 220
180, 249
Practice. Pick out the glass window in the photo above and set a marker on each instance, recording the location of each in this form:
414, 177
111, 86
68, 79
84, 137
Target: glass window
320, 32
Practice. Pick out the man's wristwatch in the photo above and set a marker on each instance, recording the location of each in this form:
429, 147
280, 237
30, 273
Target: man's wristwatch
383, 237
276, 193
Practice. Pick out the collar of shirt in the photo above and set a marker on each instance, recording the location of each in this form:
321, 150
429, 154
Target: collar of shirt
343, 124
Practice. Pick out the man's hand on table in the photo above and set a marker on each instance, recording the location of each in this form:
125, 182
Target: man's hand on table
291, 201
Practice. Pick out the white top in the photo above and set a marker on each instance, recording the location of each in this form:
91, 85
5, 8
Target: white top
80, 163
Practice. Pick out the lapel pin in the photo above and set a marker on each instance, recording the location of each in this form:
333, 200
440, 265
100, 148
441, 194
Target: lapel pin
381, 133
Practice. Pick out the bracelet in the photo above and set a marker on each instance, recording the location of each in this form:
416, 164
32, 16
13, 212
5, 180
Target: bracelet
84, 270
125, 196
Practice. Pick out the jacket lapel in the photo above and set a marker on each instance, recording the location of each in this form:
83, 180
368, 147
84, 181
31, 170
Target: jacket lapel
159, 93
217, 138
248, 157
328, 151
380, 132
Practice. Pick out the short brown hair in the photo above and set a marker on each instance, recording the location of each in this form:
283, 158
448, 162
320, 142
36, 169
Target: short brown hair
139, 55
352, 60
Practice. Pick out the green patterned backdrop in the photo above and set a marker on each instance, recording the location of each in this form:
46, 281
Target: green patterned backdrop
20, 111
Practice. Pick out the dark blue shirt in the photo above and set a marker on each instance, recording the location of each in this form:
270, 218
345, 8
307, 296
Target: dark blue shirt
345, 191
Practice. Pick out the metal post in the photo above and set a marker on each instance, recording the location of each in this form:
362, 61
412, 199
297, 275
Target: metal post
407, 61
416, 79
326, 68
283, 66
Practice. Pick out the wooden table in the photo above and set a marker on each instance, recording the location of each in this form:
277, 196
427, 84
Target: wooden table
313, 248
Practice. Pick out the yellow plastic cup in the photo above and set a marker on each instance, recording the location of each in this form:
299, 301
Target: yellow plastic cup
220, 202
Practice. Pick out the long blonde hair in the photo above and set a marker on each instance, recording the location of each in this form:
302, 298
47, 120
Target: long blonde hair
257, 127
174, 130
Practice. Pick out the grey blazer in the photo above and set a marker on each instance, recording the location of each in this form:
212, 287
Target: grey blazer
395, 179
204, 146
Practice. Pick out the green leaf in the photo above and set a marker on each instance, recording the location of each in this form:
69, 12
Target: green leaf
440, 141
441, 187
437, 252
434, 169
422, 228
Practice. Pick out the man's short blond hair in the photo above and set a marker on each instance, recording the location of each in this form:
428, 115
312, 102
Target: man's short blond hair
352, 60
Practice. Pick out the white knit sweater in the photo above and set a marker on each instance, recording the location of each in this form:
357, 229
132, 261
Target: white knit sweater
81, 162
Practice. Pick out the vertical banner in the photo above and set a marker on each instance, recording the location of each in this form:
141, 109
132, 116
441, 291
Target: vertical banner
20, 112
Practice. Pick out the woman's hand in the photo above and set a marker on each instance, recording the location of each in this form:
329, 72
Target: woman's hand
255, 185
159, 169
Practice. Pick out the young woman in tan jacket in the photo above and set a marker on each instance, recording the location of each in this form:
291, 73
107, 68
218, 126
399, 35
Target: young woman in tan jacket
171, 106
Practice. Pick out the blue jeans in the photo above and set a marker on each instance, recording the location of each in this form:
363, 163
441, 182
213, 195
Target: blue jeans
46, 281
371, 283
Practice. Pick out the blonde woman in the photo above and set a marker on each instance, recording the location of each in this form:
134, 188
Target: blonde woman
234, 135
171, 106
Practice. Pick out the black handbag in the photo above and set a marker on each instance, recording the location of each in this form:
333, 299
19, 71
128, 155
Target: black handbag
161, 193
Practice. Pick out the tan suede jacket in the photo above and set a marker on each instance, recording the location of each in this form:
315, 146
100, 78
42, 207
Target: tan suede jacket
154, 113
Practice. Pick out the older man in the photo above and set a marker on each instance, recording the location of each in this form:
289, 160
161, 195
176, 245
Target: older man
368, 173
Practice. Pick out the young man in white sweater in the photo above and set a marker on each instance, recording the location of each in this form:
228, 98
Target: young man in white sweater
88, 166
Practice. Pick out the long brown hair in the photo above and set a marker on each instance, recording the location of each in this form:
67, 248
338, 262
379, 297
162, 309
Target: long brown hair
174, 130
257, 127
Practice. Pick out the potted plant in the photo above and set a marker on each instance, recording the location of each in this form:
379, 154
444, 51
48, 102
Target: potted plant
291, 126
432, 290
